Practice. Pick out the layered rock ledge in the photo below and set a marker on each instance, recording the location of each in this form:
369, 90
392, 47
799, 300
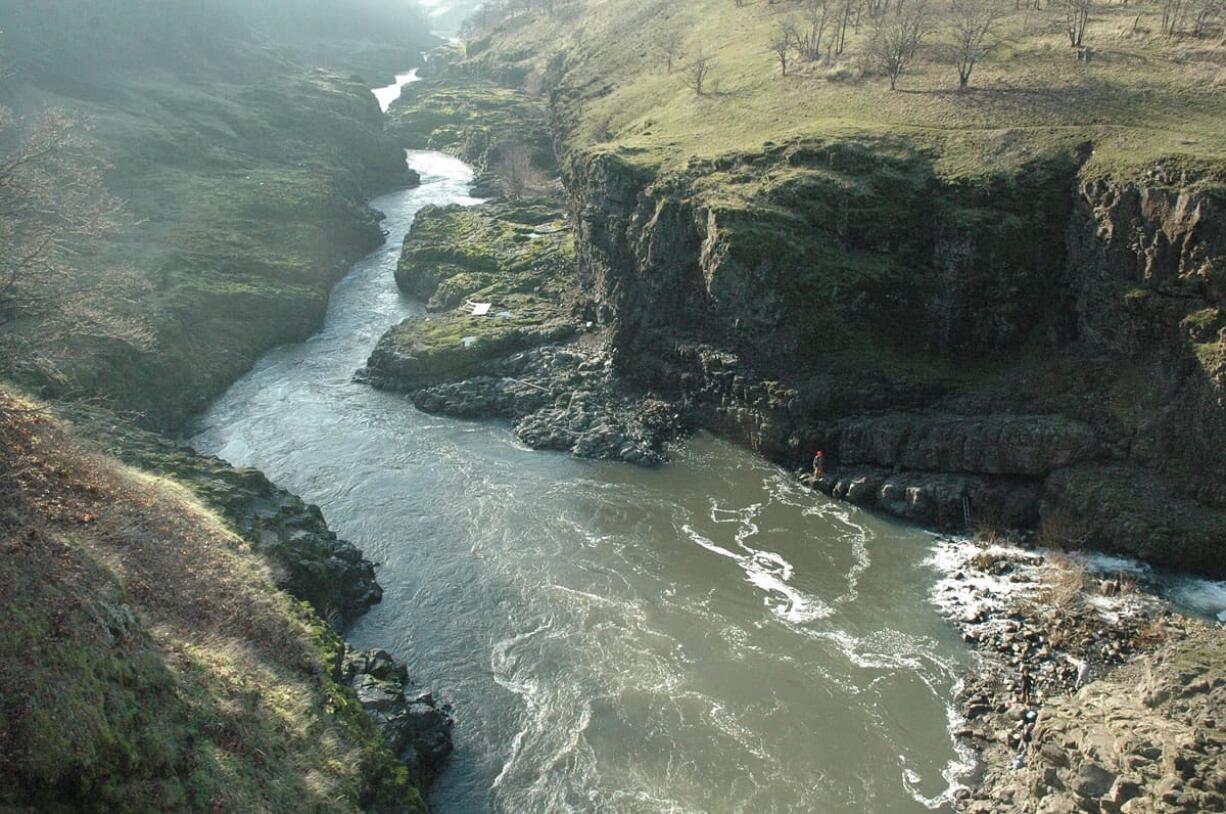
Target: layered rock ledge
530, 359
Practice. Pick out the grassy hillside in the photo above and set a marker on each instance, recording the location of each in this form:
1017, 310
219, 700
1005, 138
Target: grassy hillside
78, 39
242, 204
242, 170
148, 663
1142, 98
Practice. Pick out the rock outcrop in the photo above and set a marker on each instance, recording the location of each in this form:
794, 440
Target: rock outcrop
415, 727
1094, 696
964, 348
530, 359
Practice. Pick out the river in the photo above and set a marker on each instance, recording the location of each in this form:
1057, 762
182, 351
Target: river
390, 93
705, 637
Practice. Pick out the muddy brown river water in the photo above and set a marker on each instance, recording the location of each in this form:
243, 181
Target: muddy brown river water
705, 637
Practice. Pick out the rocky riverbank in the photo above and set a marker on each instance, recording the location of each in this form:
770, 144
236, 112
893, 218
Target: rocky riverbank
530, 358
1093, 695
310, 563
415, 727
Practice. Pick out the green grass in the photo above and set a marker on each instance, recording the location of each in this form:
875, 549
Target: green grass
149, 664
244, 203
435, 116
1142, 100
1212, 357
490, 252
516, 255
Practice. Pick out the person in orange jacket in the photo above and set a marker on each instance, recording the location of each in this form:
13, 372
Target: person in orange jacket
819, 465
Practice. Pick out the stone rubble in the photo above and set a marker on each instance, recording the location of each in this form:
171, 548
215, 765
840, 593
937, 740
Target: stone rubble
415, 727
1125, 698
560, 397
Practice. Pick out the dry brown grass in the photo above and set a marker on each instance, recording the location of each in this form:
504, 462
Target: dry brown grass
190, 681
988, 533
984, 561
1064, 587
1061, 533
1068, 579
171, 555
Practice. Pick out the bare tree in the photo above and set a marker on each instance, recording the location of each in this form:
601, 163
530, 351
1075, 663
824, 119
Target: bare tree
847, 11
697, 71
514, 165
1076, 19
896, 38
781, 45
1202, 13
52, 206
1172, 15
808, 37
672, 47
1207, 13
973, 32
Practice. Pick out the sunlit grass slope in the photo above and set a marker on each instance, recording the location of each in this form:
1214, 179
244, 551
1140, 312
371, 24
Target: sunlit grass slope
147, 662
1142, 99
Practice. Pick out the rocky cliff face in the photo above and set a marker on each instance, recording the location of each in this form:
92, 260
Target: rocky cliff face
1026, 348
1148, 271
768, 253
966, 353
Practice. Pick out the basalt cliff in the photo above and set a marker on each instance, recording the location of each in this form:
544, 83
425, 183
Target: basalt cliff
1038, 345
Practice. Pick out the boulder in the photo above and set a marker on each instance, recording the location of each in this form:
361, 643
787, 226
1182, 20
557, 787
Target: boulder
414, 725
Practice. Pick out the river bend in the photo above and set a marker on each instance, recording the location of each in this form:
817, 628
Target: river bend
706, 637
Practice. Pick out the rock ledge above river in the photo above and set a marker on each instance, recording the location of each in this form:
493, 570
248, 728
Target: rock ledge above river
529, 360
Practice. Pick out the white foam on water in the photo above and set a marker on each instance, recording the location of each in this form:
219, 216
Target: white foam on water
436, 167
957, 769
1203, 595
390, 93
591, 597
790, 492
548, 790
1103, 563
858, 537
720, 718
502, 665
888, 651
769, 572
1199, 595
964, 591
